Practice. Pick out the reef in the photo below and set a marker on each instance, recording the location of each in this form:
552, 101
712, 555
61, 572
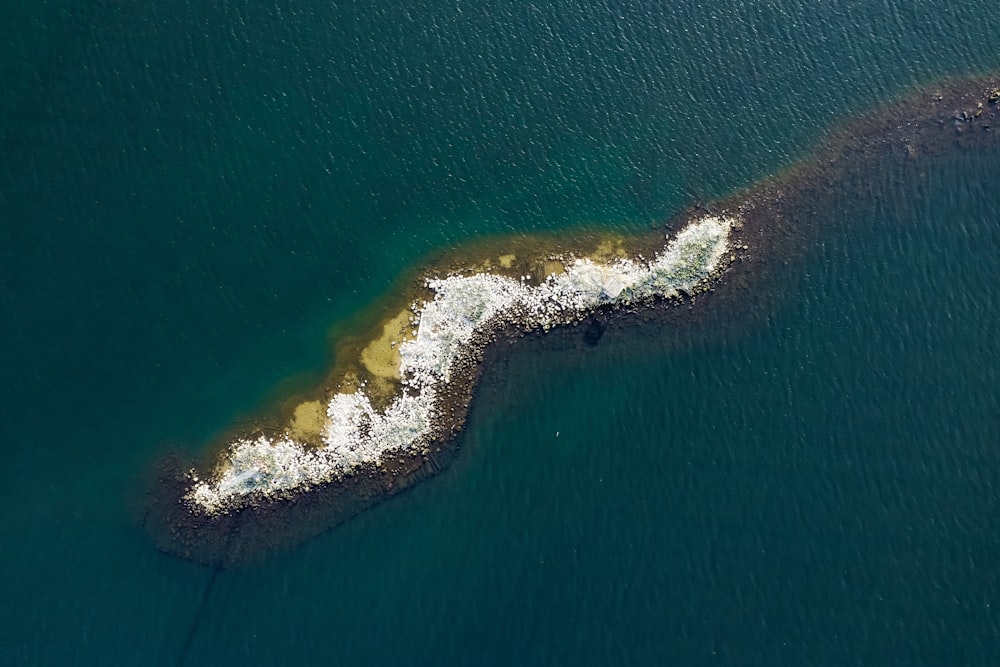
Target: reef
392, 416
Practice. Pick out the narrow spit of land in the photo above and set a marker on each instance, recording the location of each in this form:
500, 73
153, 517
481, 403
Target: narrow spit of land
391, 411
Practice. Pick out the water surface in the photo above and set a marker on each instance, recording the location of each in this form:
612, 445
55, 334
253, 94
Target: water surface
191, 196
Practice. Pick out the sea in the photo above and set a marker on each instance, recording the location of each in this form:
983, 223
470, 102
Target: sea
194, 195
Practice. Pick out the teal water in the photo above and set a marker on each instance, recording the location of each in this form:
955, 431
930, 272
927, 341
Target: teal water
191, 196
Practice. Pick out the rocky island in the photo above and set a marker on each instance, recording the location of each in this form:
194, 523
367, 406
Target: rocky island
390, 414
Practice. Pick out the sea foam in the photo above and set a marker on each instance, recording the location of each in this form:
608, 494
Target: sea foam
356, 434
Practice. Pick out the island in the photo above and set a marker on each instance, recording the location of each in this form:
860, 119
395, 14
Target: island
391, 413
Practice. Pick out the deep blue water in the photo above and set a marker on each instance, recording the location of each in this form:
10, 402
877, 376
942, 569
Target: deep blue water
190, 196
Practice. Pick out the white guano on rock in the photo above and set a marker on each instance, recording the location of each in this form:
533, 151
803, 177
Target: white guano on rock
357, 434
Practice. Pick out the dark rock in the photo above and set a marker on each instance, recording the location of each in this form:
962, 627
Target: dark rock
595, 329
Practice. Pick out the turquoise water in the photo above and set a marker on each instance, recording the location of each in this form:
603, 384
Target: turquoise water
190, 197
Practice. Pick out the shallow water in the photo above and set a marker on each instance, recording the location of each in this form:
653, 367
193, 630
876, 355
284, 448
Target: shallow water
190, 197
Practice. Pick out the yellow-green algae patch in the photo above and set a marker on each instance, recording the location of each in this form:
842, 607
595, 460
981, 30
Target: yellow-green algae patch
609, 249
552, 267
308, 421
381, 356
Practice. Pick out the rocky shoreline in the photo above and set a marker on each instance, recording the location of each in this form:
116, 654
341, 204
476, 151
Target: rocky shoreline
767, 223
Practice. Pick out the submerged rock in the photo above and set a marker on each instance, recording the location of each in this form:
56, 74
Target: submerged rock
594, 331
